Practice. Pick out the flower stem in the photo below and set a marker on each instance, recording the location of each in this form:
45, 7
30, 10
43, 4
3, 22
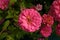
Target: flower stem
1, 32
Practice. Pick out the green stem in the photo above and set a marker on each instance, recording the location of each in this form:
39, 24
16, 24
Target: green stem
2, 31
22, 5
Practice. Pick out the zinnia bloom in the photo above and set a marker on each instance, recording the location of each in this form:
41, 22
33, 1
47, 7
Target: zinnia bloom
4, 4
55, 10
30, 20
58, 29
46, 31
38, 7
47, 19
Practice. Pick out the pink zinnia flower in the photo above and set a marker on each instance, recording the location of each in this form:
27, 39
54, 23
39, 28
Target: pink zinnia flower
30, 20
46, 31
47, 19
55, 10
4, 4
58, 29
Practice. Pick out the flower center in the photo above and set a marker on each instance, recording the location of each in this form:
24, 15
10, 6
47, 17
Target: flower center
48, 20
28, 19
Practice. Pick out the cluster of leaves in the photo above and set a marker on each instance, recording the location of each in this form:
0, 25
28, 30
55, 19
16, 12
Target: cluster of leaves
9, 29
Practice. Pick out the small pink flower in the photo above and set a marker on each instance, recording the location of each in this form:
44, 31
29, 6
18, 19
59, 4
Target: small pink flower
46, 31
47, 19
39, 7
29, 20
55, 10
58, 29
4, 4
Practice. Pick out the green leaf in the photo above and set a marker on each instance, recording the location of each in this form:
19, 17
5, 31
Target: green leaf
9, 37
3, 35
6, 24
1, 11
20, 34
10, 14
28, 5
12, 1
22, 5
1, 14
0, 17
11, 28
